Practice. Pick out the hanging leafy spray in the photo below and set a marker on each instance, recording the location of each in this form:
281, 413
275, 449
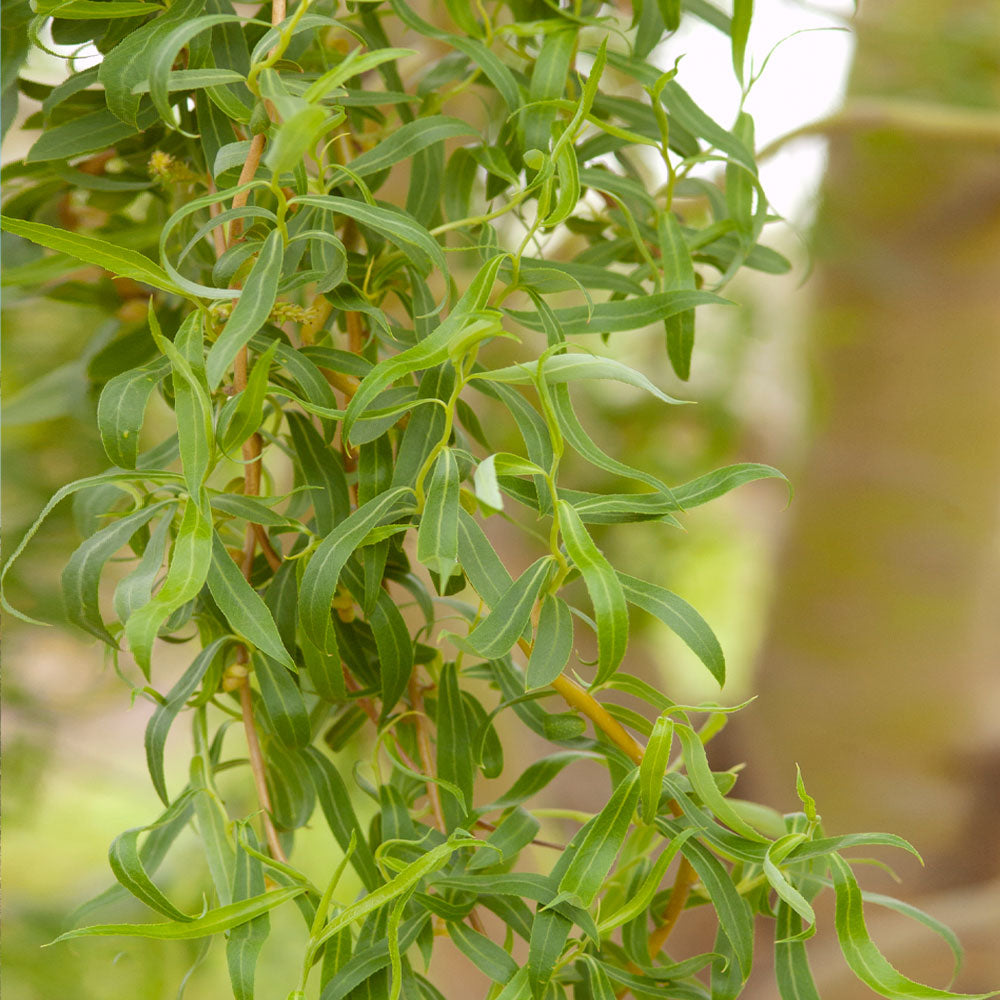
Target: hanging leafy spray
331, 214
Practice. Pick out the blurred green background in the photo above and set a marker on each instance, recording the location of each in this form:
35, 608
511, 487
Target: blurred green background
865, 615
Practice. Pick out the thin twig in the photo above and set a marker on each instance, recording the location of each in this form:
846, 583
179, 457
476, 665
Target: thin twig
257, 766
247, 174
585, 703
270, 553
684, 879
355, 332
537, 842
251, 487
424, 749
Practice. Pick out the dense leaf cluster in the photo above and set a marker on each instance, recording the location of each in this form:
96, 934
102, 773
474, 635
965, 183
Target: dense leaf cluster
306, 228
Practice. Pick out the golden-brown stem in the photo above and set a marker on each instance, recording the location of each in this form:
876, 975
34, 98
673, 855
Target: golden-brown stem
272, 557
218, 236
347, 384
365, 704
355, 332
257, 766
577, 698
251, 487
685, 878
537, 842
247, 174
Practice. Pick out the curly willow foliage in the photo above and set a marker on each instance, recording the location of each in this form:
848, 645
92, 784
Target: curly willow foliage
331, 345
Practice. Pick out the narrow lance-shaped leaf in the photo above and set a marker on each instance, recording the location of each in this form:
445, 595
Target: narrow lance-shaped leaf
497, 633
420, 248
548, 80
437, 537
654, 766
553, 643
359, 971
592, 860
944, 932
282, 701
678, 274
483, 567
487, 956
163, 716
513, 833
135, 589
537, 776
577, 437
319, 581
355, 63
720, 481
700, 775
392, 639
680, 618
189, 565
122, 407
192, 403
791, 962
243, 607
557, 369
597, 979
321, 469
735, 916
862, 954
335, 801
238, 422
606, 594
85, 10
246, 939
215, 921
154, 849
118, 260
211, 817
126, 863
404, 881
621, 315
82, 576
454, 746
568, 172
740, 185
776, 854
549, 933
250, 311
740, 30
406, 141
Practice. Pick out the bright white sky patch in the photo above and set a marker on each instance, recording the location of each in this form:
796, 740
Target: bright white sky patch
803, 81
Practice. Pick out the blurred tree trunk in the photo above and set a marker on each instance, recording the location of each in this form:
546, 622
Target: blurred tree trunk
879, 674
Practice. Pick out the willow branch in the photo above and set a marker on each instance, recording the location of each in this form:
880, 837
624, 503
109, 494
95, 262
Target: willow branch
424, 749
683, 881
251, 487
257, 766
586, 704
247, 174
